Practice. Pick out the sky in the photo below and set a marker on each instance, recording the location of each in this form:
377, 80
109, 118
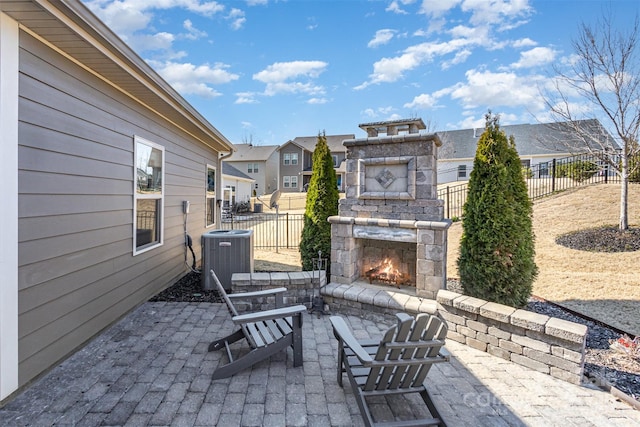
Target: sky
267, 71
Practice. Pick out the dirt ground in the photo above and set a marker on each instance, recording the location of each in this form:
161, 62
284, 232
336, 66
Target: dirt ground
605, 286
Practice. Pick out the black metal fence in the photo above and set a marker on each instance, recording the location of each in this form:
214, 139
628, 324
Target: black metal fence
284, 230
542, 179
270, 230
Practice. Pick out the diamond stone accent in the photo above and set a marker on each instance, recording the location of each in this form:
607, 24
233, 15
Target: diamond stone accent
385, 178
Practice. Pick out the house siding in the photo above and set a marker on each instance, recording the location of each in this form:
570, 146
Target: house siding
271, 177
77, 273
291, 170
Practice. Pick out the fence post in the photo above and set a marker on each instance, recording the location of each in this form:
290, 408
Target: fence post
553, 175
287, 221
606, 173
448, 204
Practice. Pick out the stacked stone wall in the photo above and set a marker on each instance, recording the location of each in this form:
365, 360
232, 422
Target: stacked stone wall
546, 344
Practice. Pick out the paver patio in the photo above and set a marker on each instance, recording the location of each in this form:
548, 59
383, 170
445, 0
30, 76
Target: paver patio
152, 368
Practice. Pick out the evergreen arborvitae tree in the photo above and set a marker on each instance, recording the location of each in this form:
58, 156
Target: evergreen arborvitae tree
497, 251
322, 202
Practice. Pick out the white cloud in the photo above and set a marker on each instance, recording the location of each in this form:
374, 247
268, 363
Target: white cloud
369, 112
459, 58
388, 70
246, 98
487, 89
187, 78
423, 101
382, 37
277, 88
236, 16
525, 42
394, 7
257, 2
281, 71
385, 113
317, 101
192, 32
535, 57
505, 14
295, 77
151, 42
437, 8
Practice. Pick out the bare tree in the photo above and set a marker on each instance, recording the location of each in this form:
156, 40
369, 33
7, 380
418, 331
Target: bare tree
602, 78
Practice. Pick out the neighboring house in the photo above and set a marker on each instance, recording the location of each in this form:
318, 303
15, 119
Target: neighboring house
98, 155
296, 161
237, 187
537, 144
259, 162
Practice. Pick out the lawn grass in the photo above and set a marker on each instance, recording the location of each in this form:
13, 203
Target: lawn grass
605, 286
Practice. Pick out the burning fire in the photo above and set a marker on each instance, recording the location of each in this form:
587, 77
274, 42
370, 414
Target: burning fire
387, 273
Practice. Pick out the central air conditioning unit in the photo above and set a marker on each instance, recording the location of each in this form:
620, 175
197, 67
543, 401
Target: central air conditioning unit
226, 252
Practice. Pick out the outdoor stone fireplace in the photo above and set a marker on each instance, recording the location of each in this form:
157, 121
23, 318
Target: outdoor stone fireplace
390, 228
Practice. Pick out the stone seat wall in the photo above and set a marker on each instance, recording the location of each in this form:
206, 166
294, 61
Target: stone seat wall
301, 286
547, 344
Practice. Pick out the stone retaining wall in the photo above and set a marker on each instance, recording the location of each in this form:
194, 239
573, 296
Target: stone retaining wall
547, 344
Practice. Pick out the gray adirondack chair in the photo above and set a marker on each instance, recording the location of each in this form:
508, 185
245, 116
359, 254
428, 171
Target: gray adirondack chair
267, 332
398, 363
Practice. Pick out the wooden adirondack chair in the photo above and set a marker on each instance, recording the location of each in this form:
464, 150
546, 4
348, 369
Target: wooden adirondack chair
267, 332
398, 363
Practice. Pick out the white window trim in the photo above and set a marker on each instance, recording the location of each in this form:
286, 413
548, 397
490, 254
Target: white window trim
286, 182
136, 196
286, 159
9, 55
207, 197
294, 179
294, 157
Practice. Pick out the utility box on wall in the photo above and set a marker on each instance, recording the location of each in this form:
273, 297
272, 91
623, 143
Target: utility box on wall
226, 252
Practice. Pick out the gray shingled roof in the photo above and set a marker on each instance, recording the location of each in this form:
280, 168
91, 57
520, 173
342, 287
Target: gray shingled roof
536, 139
333, 141
229, 170
251, 153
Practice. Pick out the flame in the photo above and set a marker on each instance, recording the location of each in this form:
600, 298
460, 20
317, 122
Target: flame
388, 268
388, 273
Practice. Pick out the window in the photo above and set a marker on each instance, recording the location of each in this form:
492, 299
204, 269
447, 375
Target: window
252, 168
294, 182
339, 181
148, 195
210, 198
290, 159
286, 181
335, 160
462, 171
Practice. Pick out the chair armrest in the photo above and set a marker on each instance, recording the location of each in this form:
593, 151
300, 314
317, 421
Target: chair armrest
277, 313
262, 293
344, 334
445, 354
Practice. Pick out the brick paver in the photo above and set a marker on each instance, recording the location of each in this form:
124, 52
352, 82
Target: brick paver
152, 369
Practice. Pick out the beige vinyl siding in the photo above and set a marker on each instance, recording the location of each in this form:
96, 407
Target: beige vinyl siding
77, 272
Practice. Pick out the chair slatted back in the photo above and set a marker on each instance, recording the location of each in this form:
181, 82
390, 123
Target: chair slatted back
223, 294
412, 344
232, 309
